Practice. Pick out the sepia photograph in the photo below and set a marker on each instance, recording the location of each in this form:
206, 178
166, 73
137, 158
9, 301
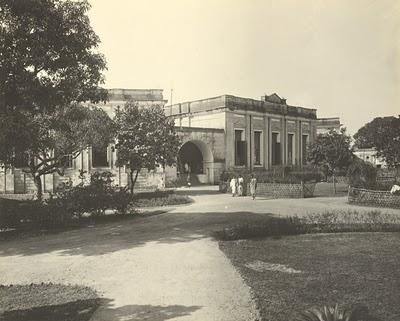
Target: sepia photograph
200, 160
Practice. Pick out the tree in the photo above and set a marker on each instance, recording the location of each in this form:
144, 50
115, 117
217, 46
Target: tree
50, 139
332, 150
383, 134
48, 55
48, 63
145, 138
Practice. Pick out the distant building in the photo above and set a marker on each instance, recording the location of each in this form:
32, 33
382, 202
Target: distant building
369, 155
228, 132
324, 125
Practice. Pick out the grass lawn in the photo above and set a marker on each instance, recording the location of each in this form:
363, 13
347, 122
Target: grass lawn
324, 189
294, 273
47, 302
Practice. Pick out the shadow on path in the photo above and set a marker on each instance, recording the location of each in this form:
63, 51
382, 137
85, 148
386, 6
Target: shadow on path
98, 240
133, 312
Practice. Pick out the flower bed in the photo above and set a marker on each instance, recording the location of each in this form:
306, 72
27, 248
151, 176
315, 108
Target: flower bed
373, 198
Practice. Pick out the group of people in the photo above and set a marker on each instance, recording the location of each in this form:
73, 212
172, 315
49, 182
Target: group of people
237, 186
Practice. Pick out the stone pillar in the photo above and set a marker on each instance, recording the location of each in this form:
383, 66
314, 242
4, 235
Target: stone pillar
283, 140
249, 142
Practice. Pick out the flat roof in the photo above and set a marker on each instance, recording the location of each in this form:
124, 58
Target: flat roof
238, 103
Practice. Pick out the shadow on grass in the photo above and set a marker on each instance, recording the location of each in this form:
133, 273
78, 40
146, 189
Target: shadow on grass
84, 310
81, 310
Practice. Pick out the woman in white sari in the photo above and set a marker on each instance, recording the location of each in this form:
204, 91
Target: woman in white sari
233, 185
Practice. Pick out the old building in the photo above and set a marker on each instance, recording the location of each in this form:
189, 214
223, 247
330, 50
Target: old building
228, 132
324, 125
369, 155
14, 180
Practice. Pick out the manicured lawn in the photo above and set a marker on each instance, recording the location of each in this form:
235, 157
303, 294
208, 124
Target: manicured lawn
47, 302
294, 273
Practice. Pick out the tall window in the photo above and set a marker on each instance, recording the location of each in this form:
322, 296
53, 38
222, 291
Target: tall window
276, 149
290, 146
304, 142
257, 147
240, 148
21, 160
100, 157
67, 161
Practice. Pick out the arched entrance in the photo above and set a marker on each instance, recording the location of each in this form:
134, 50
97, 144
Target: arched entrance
196, 158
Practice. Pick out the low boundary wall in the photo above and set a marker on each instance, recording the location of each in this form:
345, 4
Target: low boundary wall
373, 198
278, 190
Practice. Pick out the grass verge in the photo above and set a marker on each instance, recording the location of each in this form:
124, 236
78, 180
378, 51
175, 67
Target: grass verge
47, 302
328, 222
157, 199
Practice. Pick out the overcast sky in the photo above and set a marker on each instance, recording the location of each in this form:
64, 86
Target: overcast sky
339, 56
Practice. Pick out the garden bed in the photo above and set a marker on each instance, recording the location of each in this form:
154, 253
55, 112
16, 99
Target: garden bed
362, 196
291, 264
294, 273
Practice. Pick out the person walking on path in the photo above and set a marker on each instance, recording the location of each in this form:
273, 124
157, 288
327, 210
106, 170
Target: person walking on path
253, 186
240, 185
233, 185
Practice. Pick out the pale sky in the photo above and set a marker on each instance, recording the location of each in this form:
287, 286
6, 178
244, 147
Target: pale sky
341, 57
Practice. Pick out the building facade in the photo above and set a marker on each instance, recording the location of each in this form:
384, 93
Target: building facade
324, 125
369, 155
15, 180
228, 132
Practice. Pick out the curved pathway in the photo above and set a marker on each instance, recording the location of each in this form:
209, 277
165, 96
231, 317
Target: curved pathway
161, 267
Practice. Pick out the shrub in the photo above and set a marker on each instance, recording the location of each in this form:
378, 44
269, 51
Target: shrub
28, 213
362, 174
328, 314
334, 313
100, 194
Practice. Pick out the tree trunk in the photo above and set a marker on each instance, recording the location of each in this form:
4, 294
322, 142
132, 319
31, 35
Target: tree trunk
38, 184
133, 180
334, 183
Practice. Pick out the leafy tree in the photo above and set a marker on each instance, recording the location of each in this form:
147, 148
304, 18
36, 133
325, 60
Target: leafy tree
382, 133
49, 139
145, 138
48, 55
332, 150
48, 63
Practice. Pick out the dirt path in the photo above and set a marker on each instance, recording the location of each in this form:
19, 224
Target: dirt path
163, 267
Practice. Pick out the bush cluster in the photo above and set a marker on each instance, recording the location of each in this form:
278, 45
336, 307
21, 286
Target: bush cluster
96, 197
68, 204
362, 174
